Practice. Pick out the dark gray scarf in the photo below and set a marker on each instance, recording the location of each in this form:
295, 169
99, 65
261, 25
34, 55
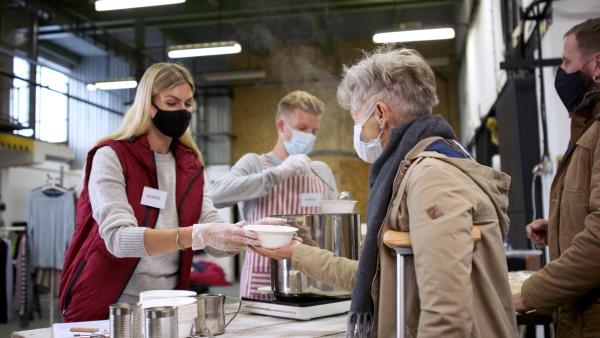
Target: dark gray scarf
402, 139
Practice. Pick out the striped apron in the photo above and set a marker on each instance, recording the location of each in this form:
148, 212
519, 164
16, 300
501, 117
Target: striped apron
282, 199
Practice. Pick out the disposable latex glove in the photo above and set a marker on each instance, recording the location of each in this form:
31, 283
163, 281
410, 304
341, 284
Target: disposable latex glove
295, 162
226, 237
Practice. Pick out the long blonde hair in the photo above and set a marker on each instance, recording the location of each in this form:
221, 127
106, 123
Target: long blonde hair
158, 78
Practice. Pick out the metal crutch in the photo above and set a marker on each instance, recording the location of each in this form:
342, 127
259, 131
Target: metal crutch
400, 242
401, 253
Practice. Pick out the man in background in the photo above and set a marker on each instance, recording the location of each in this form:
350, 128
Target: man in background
281, 182
569, 286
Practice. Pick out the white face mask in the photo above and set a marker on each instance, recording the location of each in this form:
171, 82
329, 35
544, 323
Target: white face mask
300, 143
368, 152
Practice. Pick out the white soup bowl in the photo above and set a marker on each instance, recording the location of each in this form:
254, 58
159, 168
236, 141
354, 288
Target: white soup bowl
273, 236
337, 206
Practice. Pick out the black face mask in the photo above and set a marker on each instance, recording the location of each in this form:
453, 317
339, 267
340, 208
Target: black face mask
172, 123
570, 88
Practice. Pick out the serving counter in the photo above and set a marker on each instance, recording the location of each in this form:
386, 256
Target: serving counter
252, 325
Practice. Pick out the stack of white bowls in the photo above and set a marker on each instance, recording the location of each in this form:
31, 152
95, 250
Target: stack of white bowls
154, 294
187, 310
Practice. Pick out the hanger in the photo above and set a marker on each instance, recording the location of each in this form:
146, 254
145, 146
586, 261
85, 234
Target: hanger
52, 185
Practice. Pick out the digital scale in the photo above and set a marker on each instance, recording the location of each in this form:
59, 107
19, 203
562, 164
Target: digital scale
304, 308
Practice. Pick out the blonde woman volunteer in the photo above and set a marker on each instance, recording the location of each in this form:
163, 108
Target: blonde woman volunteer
143, 194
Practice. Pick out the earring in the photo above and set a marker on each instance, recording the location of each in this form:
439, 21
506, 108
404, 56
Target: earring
596, 80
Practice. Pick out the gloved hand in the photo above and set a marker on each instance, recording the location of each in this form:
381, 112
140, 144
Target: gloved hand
293, 163
226, 237
280, 221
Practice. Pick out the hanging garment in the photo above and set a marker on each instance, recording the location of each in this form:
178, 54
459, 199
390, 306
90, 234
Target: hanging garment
23, 296
50, 226
5, 280
47, 279
282, 199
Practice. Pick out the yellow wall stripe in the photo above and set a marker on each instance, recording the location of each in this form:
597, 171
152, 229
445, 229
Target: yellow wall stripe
16, 142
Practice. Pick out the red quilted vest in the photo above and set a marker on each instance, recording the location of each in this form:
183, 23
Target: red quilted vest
92, 278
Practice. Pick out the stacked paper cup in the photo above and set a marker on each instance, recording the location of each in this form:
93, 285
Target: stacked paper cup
186, 306
154, 294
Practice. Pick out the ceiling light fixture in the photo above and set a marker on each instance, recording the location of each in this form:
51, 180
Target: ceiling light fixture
204, 49
414, 35
111, 5
123, 83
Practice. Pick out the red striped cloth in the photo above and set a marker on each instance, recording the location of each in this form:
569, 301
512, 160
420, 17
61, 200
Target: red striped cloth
282, 199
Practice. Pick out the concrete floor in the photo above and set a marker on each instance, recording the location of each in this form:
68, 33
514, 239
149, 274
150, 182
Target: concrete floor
37, 322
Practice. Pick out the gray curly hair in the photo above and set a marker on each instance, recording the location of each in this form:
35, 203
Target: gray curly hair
399, 77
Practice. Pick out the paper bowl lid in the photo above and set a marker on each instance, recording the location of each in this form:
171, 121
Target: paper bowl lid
153, 294
175, 302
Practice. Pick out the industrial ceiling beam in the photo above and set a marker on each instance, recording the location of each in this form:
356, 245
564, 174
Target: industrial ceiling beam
58, 52
63, 19
174, 36
224, 15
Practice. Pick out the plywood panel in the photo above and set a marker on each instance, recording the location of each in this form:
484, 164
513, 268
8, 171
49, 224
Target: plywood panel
309, 68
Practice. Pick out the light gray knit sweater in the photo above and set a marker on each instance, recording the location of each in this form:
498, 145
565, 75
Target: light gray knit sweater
248, 181
119, 229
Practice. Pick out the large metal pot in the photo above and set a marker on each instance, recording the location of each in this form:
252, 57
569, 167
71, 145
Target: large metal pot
338, 233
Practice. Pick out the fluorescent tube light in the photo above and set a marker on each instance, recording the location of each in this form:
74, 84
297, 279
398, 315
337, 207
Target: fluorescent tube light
204, 49
111, 5
124, 83
414, 35
249, 74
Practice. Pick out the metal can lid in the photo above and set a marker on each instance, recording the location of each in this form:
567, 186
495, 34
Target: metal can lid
160, 312
124, 309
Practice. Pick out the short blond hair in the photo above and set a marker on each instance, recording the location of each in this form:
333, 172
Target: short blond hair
399, 77
299, 99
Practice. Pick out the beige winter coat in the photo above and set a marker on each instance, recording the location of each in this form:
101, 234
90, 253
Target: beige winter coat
569, 287
463, 289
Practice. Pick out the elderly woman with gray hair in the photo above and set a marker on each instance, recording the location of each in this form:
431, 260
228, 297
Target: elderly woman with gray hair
424, 182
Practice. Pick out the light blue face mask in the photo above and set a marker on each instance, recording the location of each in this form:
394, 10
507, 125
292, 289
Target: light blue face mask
300, 143
368, 152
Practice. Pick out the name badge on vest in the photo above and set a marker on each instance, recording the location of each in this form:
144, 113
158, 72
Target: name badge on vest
310, 200
154, 198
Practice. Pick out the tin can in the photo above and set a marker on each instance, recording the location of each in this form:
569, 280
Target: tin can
161, 322
125, 320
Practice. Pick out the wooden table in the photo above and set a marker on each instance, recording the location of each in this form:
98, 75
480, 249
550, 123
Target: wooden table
253, 325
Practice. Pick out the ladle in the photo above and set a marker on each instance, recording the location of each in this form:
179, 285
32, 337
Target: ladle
344, 195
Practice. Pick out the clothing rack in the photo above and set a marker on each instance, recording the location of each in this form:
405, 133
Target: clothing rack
22, 271
59, 188
14, 228
56, 184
